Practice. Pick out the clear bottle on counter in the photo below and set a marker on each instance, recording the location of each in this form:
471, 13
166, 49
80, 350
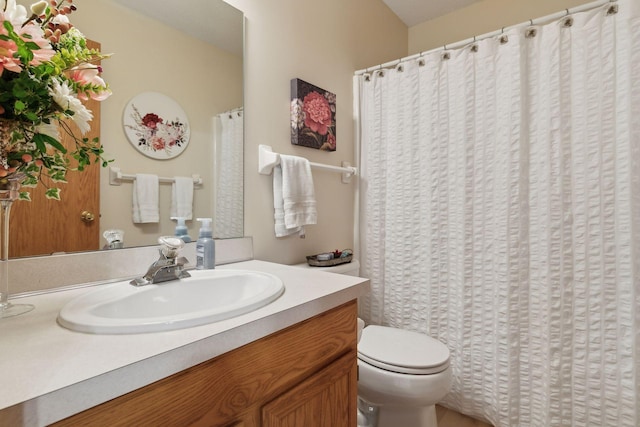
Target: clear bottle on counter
205, 246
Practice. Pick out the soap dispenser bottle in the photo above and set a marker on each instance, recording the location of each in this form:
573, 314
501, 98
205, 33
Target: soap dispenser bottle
206, 246
181, 229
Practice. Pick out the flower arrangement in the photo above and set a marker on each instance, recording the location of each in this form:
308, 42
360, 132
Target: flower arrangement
313, 122
46, 71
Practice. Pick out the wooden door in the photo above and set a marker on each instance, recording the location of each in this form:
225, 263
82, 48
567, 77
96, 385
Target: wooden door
43, 226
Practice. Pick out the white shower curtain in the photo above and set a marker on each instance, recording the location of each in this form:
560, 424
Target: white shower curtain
500, 213
229, 195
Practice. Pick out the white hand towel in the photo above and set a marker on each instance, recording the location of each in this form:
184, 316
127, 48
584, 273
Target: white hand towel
294, 196
278, 205
145, 199
182, 197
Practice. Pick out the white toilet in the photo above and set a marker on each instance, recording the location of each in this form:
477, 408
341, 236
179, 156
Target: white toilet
402, 374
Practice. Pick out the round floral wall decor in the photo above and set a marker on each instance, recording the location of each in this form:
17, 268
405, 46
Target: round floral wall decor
156, 125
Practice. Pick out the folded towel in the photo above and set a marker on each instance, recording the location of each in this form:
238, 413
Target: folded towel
278, 205
145, 199
182, 197
293, 196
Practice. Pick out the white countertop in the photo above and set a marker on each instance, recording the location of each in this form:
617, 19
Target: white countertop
48, 373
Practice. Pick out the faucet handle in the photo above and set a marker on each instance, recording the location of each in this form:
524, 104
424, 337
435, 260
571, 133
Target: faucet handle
170, 246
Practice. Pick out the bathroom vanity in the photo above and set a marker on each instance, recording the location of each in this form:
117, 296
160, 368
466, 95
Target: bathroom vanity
284, 364
307, 370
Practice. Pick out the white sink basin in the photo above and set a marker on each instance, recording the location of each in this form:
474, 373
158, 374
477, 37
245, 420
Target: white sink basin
205, 297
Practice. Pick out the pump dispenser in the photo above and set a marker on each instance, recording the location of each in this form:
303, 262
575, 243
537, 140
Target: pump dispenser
115, 239
206, 246
181, 229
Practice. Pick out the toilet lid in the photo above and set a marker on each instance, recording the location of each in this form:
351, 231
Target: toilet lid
402, 351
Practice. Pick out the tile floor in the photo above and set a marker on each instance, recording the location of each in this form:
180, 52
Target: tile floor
450, 418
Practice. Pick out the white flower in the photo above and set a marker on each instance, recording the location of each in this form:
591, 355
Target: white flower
39, 8
65, 98
297, 114
13, 12
50, 129
60, 19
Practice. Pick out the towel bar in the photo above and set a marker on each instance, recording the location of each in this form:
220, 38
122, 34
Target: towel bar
116, 177
267, 160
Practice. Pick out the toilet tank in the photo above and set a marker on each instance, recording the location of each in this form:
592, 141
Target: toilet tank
350, 269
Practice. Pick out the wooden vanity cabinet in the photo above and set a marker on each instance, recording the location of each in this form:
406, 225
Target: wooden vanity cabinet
304, 375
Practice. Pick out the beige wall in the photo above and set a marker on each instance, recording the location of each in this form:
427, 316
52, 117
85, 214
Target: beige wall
322, 42
150, 56
480, 18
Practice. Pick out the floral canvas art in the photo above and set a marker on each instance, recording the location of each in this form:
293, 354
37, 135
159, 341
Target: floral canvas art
156, 125
313, 116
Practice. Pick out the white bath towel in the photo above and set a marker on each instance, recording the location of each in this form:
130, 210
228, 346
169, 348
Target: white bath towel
278, 205
182, 197
294, 198
145, 199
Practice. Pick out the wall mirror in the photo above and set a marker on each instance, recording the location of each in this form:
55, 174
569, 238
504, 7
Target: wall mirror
192, 52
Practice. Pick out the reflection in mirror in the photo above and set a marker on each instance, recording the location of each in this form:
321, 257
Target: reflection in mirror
229, 158
191, 51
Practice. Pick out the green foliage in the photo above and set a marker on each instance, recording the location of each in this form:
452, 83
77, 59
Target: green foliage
52, 193
44, 95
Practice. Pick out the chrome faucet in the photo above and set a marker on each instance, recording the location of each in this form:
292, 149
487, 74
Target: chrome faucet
168, 267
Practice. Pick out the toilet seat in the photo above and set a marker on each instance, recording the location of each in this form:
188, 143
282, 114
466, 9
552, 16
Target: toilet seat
401, 351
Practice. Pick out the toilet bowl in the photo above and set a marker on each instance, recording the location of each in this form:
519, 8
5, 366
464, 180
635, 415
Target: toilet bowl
404, 374
401, 374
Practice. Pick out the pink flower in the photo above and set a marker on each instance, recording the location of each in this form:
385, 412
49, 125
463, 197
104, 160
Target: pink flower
158, 143
151, 120
32, 32
317, 113
7, 61
331, 140
89, 76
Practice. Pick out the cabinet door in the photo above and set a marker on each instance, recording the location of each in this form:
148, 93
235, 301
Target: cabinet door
326, 399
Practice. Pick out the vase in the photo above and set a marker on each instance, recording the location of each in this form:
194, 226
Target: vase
9, 192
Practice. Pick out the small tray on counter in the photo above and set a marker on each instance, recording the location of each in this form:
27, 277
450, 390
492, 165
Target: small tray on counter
312, 260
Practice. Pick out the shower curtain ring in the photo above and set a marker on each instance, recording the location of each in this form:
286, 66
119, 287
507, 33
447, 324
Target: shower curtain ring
446, 55
504, 39
474, 45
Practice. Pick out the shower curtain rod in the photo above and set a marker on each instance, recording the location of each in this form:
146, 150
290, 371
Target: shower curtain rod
463, 43
235, 110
